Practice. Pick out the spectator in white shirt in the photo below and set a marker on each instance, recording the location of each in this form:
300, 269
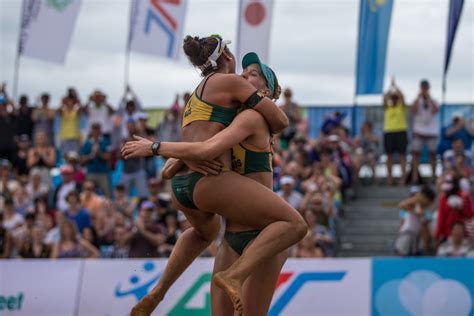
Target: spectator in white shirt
288, 192
99, 111
425, 129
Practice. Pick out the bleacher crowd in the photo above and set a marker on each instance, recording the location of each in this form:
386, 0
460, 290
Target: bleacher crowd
65, 192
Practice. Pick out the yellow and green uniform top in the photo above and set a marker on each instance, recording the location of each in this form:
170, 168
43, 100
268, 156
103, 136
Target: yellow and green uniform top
198, 110
246, 161
395, 118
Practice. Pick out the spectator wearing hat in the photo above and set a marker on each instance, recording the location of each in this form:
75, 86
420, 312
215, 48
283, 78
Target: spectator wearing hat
24, 121
95, 155
7, 130
43, 118
69, 129
76, 212
458, 129
145, 236
68, 184
6, 241
395, 130
134, 173
42, 157
291, 110
425, 129
288, 192
100, 112
73, 159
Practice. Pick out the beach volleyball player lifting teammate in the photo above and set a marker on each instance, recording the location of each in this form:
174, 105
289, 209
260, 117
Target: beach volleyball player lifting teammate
237, 198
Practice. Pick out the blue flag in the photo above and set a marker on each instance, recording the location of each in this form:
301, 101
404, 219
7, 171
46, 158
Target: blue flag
374, 25
455, 10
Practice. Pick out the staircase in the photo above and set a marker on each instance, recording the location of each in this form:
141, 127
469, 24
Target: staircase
371, 222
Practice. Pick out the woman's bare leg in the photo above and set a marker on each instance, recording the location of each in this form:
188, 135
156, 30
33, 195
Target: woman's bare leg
245, 201
258, 289
189, 246
220, 302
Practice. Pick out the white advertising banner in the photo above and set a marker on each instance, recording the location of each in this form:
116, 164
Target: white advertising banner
39, 287
255, 19
47, 27
306, 288
156, 27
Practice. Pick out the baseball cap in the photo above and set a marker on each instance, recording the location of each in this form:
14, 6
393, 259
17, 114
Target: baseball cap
268, 74
287, 180
414, 189
72, 155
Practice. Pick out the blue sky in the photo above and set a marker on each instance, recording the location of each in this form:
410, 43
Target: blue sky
313, 47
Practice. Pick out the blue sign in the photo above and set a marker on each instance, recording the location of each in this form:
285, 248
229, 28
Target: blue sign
374, 25
437, 287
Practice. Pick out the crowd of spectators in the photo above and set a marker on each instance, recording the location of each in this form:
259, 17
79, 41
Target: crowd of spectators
58, 198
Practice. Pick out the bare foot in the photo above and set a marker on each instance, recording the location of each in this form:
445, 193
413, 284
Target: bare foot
146, 306
232, 288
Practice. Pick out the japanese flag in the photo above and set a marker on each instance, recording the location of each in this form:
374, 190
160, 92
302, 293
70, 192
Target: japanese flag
255, 18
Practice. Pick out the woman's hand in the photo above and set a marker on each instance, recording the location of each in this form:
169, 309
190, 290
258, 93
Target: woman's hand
140, 147
212, 168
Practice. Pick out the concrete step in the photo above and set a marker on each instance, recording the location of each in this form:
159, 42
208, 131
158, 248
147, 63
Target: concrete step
371, 214
366, 239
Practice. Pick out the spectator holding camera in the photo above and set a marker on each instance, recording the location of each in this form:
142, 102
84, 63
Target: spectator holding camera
454, 206
100, 112
288, 192
43, 118
291, 110
395, 130
459, 129
425, 129
69, 129
415, 214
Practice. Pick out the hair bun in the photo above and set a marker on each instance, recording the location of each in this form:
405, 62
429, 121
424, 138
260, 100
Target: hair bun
192, 46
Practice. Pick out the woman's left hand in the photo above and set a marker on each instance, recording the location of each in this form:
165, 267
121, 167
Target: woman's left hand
140, 147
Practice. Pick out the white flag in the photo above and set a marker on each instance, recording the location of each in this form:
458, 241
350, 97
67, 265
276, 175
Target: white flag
47, 27
255, 18
156, 27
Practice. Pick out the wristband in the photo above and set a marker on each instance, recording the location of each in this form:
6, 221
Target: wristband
254, 99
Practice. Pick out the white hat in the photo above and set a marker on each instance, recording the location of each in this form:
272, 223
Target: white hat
458, 115
287, 180
333, 138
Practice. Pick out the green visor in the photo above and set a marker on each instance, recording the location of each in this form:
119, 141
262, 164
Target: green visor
252, 58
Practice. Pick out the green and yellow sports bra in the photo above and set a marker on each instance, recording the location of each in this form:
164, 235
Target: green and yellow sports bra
245, 161
197, 109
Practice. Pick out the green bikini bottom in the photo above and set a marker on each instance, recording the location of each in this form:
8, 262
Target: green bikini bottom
239, 240
183, 188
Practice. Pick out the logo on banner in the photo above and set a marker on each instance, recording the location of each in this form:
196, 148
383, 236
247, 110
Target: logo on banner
255, 13
159, 15
422, 287
59, 5
11, 302
136, 285
375, 4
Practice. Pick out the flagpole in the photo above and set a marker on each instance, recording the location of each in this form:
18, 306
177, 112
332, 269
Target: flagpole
127, 49
16, 69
